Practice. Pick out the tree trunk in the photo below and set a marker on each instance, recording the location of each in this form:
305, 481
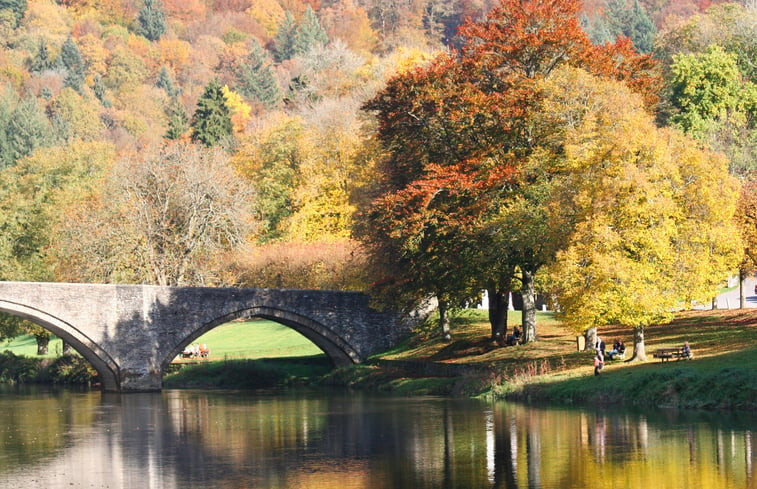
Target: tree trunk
444, 319
591, 338
639, 352
528, 317
43, 340
742, 296
498, 303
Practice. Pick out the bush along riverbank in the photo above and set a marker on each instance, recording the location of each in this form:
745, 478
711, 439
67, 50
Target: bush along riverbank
722, 375
67, 369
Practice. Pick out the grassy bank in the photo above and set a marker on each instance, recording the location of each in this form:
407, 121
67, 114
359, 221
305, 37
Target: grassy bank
722, 375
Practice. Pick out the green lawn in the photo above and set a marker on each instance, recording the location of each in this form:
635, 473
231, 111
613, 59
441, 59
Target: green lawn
236, 340
257, 339
26, 345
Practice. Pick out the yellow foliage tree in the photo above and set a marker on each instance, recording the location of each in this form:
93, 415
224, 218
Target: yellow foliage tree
646, 231
240, 111
267, 13
335, 164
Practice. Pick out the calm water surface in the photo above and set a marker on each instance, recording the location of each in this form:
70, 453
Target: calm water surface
185, 439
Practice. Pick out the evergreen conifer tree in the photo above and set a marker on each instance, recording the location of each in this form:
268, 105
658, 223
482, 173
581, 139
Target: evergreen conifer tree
211, 122
255, 79
70, 59
632, 22
283, 42
41, 60
166, 82
178, 121
641, 29
152, 20
28, 129
17, 7
309, 33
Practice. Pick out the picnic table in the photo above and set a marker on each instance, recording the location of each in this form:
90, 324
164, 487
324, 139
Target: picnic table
665, 354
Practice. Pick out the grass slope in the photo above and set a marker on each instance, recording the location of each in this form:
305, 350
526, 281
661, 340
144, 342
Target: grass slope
723, 374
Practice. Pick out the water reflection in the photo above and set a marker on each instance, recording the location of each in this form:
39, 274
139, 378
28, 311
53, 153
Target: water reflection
240, 440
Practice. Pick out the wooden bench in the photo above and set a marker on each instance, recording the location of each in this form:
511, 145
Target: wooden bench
665, 354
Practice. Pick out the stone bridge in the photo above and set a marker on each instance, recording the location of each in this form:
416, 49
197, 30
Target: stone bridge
131, 333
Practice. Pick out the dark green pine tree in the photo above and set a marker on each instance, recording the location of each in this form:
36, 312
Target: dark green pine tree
166, 82
28, 129
71, 61
255, 79
309, 33
642, 30
17, 7
41, 60
151, 21
632, 22
178, 121
283, 42
211, 122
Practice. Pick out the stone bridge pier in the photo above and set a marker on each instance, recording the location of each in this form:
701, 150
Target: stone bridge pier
131, 333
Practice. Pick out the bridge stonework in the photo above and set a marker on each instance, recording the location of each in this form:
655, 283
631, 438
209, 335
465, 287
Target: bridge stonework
131, 333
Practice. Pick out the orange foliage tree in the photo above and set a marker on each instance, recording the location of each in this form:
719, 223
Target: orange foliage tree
457, 135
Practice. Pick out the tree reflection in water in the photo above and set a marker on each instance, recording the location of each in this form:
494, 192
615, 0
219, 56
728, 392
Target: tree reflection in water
304, 440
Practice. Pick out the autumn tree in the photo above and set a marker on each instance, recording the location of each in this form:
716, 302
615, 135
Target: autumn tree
151, 21
270, 158
465, 119
715, 103
642, 243
163, 217
33, 196
211, 122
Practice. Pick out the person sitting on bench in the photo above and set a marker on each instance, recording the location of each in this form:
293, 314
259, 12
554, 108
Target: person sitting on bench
514, 338
686, 350
618, 349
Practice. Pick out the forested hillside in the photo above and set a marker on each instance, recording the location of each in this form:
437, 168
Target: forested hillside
229, 142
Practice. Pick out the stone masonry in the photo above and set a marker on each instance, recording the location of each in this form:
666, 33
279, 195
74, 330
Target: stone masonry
131, 333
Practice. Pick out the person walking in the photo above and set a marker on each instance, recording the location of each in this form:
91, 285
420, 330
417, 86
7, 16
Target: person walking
598, 364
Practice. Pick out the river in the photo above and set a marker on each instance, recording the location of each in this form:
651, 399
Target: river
226, 439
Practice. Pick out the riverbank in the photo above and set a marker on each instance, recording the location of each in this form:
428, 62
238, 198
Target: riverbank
722, 375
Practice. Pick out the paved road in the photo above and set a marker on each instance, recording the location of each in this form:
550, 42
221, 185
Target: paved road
730, 300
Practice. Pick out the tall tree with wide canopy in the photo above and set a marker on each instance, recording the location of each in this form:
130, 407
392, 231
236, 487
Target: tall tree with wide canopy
650, 214
460, 129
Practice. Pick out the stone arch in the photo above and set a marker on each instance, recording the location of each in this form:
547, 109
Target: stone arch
340, 352
100, 360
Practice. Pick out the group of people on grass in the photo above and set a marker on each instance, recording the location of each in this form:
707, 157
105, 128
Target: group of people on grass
196, 351
619, 351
